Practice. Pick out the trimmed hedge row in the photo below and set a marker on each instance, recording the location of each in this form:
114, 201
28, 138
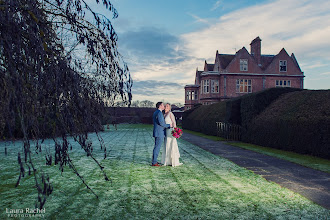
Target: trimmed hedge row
298, 135
284, 118
297, 121
253, 104
203, 118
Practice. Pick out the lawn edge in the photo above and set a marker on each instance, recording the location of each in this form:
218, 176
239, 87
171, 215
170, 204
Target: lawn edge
309, 161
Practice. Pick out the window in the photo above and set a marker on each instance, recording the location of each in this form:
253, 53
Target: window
243, 63
192, 95
243, 86
188, 95
283, 83
282, 65
215, 86
196, 96
206, 84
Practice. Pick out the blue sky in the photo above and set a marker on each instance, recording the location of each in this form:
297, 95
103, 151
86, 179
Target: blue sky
164, 42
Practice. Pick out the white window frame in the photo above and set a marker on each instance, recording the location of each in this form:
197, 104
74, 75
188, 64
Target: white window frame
282, 83
214, 86
243, 64
283, 63
188, 95
206, 86
243, 85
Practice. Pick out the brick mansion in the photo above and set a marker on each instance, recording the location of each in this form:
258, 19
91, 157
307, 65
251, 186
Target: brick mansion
233, 75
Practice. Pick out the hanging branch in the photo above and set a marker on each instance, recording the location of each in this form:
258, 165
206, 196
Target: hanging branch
58, 72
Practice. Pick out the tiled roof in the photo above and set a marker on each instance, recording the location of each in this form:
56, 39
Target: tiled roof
225, 59
210, 67
266, 60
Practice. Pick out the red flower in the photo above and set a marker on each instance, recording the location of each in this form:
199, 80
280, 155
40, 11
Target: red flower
177, 132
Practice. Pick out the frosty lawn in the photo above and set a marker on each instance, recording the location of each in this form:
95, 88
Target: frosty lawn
205, 187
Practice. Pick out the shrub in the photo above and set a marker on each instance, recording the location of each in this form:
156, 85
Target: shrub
297, 121
203, 118
284, 118
253, 104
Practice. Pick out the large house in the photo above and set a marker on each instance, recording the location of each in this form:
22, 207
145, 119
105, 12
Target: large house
234, 75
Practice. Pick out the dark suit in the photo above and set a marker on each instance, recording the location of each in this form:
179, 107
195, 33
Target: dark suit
158, 133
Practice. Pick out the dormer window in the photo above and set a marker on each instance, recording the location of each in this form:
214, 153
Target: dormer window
283, 66
243, 63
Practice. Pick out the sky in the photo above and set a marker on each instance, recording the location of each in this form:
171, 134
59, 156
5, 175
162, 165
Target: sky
163, 42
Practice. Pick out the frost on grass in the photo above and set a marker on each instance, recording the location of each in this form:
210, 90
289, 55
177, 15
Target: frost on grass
205, 186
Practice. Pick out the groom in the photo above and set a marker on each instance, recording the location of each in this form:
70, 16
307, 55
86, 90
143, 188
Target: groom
159, 131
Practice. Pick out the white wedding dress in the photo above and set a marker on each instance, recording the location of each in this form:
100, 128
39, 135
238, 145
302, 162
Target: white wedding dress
171, 152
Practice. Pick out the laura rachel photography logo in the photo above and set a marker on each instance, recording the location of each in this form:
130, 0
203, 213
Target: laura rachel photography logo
24, 213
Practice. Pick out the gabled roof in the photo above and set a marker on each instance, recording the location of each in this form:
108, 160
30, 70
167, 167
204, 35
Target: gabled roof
295, 61
225, 59
266, 60
210, 67
198, 76
283, 51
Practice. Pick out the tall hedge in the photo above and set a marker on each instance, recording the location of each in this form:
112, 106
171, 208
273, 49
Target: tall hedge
297, 121
203, 118
238, 111
253, 104
284, 118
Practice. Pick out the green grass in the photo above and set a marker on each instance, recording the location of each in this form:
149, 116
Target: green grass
304, 160
206, 186
214, 138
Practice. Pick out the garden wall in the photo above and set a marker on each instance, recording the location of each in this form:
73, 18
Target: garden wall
132, 115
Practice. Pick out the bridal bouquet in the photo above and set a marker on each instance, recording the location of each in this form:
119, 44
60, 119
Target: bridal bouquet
177, 132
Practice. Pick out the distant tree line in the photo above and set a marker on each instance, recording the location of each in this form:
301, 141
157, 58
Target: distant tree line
143, 104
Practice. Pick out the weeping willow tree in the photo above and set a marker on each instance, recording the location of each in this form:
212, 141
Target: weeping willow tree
59, 69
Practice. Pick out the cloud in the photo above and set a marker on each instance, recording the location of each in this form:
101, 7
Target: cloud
148, 42
216, 5
199, 19
301, 27
155, 90
154, 54
154, 87
306, 29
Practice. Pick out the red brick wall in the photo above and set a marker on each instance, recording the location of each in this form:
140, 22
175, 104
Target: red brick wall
234, 66
210, 95
274, 67
258, 83
271, 81
231, 84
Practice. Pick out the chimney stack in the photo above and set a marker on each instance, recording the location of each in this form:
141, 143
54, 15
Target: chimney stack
256, 49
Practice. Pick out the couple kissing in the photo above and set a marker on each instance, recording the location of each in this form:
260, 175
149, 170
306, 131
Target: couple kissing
162, 132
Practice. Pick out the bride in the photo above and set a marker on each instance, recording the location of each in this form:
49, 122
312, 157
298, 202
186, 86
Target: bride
171, 152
